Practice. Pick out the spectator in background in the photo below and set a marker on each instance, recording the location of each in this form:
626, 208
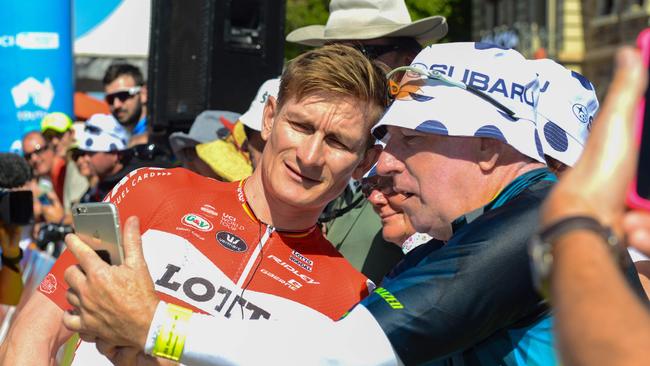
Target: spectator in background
48, 169
57, 131
210, 148
47, 180
126, 94
396, 227
102, 151
599, 320
98, 152
252, 119
383, 31
566, 108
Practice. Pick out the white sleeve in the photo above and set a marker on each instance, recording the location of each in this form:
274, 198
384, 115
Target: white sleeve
356, 339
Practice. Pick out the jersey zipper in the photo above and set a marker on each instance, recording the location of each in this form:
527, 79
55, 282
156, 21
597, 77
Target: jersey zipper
256, 253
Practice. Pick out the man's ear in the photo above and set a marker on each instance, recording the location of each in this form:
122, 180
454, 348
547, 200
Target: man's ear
489, 152
369, 159
267, 117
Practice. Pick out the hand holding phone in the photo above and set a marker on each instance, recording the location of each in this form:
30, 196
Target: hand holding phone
98, 225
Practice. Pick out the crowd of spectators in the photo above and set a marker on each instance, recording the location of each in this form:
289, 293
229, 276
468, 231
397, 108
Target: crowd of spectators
380, 202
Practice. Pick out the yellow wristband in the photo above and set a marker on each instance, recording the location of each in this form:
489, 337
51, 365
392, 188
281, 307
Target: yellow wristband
171, 336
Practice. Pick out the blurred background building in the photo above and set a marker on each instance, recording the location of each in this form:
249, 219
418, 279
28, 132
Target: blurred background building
582, 35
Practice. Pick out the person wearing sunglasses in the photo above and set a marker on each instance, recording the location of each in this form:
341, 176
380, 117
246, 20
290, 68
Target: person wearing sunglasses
102, 155
396, 226
126, 94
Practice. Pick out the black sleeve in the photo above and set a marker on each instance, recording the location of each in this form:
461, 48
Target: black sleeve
460, 294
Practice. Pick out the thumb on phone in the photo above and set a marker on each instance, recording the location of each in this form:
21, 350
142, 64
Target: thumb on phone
132, 243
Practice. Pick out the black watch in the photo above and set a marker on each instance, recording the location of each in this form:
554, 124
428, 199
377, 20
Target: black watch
541, 247
12, 263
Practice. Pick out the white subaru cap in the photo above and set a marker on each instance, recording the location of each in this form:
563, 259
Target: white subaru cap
253, 116
433, 106
567, 106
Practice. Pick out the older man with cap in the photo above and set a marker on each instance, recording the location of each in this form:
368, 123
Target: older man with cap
97, 153
461, 146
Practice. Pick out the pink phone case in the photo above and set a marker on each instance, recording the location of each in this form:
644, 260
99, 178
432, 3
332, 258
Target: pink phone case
633, 199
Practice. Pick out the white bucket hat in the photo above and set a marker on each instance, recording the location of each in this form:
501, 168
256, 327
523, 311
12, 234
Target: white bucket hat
102, 133
368, 19
567, 105
498, 74
253, 116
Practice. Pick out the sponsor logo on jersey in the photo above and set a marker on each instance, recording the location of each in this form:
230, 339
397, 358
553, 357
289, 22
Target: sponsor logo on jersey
389, 298
151, 172
301, 260
240, 195
210, 210
201, 290
302, 265
231, 241
230, 222
48, 285
291, 284
197, 222
293, 270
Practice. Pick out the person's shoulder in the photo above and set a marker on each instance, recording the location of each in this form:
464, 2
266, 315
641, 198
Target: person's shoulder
152, 180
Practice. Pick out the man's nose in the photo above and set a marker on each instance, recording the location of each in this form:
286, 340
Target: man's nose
388, 164
310, 152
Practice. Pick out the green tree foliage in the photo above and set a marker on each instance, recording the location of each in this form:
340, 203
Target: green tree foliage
308, 12
299, 14
457, 12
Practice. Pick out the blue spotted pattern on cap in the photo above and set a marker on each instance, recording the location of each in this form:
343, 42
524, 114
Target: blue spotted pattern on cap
583, 80
89, 142
538, 144
491, 131
487, 46
112, 147
432, 126
556, 137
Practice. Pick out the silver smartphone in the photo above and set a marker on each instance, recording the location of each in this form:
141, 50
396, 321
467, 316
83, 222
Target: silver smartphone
98, 225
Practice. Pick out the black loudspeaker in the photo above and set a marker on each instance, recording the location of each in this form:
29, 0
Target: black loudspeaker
210, 54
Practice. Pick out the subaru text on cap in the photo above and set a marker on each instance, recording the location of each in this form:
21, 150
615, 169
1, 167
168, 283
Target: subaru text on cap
432, 106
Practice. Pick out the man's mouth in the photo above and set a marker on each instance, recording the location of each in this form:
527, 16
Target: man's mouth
302, 178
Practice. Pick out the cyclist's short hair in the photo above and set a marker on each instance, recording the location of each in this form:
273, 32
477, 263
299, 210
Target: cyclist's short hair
335, 69
116, 70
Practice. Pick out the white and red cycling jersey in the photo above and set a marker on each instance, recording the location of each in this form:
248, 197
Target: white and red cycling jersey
206, 251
